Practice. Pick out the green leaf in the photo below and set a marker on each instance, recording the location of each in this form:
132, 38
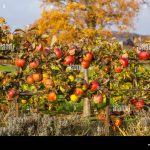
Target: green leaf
20, 55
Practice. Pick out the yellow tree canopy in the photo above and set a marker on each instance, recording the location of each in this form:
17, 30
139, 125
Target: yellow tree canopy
70, 20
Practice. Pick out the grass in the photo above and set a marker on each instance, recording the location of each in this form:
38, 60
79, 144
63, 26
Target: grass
146, 66
7, 68
11, 68
73, 124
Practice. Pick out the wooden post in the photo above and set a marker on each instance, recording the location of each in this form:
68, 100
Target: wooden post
17, 99
107, 125
107, 109
17, 108
38, 103
86, 104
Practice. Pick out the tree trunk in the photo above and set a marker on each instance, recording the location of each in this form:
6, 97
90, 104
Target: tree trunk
86, 104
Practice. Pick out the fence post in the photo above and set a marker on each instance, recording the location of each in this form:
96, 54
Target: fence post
86, 104
17, 107
107, 109
107, 125
17, 99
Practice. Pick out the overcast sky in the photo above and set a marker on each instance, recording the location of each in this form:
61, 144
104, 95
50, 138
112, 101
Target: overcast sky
19, 13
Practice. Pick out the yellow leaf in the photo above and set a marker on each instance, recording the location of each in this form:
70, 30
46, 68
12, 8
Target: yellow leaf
54, 40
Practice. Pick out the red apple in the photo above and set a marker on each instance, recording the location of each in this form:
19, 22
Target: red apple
72, 49
118, 69
20, 62
48, 83
98, 99
69, 60
85, 87
46, 51
94, 85
34, 64
117, 122
58, 52
124, 62
39, 48
11, 93
52, 97
140, 105
85, 64
88, 57
37, 77
79, 92
134, 101
30, 80
144, 55
94, 82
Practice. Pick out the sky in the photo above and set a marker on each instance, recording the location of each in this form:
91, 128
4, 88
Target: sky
19, 13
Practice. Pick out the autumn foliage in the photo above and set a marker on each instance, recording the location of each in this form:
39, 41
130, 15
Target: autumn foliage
71, 20
64, 60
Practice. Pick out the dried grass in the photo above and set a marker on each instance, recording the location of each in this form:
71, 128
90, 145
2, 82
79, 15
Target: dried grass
69, 125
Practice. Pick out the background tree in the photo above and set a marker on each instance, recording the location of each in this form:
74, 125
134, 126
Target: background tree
74, 19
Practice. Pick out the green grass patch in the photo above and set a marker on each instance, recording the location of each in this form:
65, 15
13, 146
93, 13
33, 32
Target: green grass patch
147, 67
7, 68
